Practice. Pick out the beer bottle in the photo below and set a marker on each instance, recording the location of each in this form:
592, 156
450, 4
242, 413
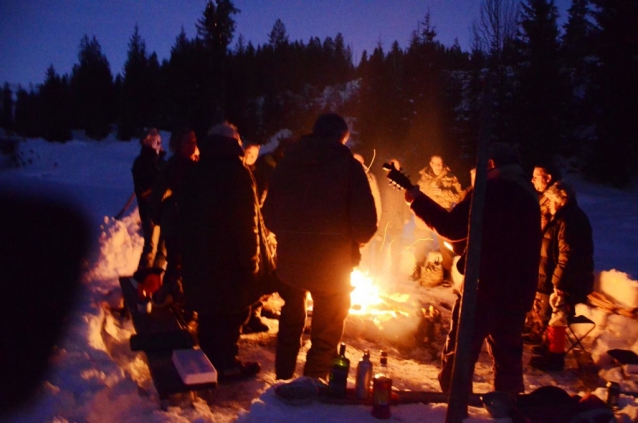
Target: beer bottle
364, 376
338, 380
382, 390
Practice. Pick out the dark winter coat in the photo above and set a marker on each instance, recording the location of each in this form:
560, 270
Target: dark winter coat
567, 254
165, 193
320, 207
510, 240
220, 229
145, 169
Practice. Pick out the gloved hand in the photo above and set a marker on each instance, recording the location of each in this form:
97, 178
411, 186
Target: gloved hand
559, 308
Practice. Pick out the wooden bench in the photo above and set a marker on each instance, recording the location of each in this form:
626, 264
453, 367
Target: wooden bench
157, 334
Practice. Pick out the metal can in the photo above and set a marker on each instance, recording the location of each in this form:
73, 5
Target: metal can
613, 394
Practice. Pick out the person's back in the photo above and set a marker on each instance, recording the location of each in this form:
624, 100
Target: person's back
508, 263
320, 207
219, 227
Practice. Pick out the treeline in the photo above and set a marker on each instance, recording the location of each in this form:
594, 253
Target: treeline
557, 92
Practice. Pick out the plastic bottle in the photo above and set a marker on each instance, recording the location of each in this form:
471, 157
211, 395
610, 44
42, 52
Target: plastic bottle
364, 376
338, 381
382, 390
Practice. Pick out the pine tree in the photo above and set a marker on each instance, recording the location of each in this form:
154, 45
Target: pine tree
136, 91
216, 28
615, 153
6, 117
54, 112
92, 90
543, 91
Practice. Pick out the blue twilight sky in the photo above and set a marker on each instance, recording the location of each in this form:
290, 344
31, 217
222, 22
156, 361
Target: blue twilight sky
37, 33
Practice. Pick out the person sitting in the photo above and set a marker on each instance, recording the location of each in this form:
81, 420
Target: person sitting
441, 185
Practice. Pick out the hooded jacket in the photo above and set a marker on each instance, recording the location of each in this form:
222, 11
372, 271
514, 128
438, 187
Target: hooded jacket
567, 254
320, 207
220, 229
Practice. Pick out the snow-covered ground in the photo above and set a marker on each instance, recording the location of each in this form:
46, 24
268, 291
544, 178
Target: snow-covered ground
95, 377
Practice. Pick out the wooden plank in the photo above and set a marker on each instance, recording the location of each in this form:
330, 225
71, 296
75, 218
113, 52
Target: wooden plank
399, 397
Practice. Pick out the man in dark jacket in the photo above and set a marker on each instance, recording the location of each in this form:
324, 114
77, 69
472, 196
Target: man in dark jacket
508, 265
566, 268
222, 252
146, 167
320, 207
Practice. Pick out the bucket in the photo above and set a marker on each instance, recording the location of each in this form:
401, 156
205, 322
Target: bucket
556, 338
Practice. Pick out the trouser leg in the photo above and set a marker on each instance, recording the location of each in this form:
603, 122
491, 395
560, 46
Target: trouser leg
447, 357
506, 347
291, 325
328, 317
219, 337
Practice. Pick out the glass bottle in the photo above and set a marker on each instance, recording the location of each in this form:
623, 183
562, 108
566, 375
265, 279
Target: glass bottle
338, 380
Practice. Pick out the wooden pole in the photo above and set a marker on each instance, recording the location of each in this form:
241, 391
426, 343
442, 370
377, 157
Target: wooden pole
119, 214
460, 389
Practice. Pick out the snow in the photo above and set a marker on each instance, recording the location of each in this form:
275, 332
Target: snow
95, 377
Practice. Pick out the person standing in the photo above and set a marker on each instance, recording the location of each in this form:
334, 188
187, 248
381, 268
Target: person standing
221, 230
439, 183
508, 265
165, 210
254, 324
146, 167
542, 178
566, 269
320, 207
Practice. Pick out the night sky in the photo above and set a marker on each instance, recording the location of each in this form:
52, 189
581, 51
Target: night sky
37, 33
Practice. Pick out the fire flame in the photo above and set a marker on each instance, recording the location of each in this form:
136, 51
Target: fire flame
365, 293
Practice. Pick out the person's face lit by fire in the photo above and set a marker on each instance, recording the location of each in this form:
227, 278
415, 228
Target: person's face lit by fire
188, 147
436, 164
541, 179
251, 153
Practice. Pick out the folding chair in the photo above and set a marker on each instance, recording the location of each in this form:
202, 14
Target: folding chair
575, 339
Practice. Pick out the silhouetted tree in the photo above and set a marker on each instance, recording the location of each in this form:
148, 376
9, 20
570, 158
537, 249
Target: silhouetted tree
543, 90
55, 115
216, 28
6, 115
615, 153
92, 90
